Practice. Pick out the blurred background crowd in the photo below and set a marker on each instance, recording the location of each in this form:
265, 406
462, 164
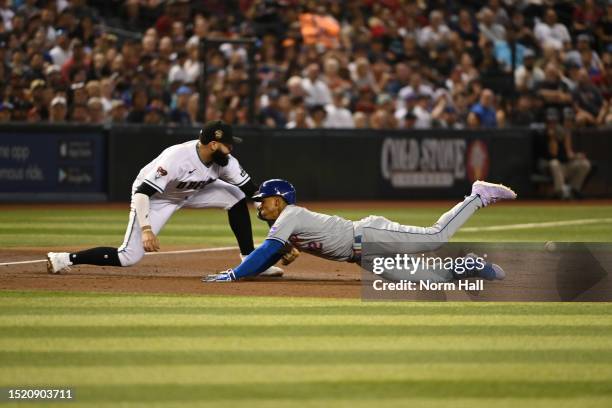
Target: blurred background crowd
386, 64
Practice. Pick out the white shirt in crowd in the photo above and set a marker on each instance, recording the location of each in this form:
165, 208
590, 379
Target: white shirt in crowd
524, 78
7, 17
428, 35
60, 55
495, 32
551, 35
178, 74
192, 69
423, 116
338, 117
317, 92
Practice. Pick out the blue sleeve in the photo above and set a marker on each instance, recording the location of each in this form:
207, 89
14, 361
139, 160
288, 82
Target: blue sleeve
266, 255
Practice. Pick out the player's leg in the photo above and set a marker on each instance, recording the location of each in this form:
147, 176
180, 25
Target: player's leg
577, 171
431, 238
129, 253
556, 172
230, 198
132, 251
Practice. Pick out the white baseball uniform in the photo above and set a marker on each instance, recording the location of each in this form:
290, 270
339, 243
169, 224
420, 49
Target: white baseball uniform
181, 179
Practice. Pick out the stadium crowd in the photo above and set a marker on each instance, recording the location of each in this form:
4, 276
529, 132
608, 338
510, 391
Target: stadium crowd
383, 64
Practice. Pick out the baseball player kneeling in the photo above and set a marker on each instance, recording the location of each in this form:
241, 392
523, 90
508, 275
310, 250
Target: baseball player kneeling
196, 174
295, 229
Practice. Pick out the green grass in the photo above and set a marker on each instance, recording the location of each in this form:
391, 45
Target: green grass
161, 351
189, 351
59, 227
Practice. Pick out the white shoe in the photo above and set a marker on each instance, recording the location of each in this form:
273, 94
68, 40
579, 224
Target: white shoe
491, 193
58, 262
271, 272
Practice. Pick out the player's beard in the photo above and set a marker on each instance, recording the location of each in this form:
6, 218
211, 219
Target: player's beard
220, 158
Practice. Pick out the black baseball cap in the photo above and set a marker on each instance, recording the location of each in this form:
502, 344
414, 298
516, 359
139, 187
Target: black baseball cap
218, 131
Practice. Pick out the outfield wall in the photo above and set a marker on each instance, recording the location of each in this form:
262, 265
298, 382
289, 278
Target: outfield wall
93, 163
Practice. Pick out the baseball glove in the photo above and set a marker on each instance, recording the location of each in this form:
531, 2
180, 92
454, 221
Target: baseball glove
290, 256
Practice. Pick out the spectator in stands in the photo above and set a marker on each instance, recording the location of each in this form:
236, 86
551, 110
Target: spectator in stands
523, 114
118, 111
338, 116
317, 91
385, 41
294, 85
58, 110
550, 32
603, 30
300, 120
80, 114
568, 169
140, 100
318, 115
319, 28
552, 90
95, 111
421, 112
273, 115
434, 33
589, 104
586, 16
154, 116
179, 114
467, 29
489, 28
40, 97
361, 74
193, 108
77, 61
361, 120
528, 75
5, 112
583, 46
483, 114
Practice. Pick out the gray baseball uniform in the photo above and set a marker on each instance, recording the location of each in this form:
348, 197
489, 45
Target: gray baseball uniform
336, 238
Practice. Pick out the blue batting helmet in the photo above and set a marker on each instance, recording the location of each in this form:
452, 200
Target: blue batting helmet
276, 187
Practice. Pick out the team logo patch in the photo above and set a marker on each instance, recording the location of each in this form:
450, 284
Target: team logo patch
218, 134
161, 172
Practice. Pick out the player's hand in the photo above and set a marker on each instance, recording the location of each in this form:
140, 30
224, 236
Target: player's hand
290, 256
150, 243
226, 276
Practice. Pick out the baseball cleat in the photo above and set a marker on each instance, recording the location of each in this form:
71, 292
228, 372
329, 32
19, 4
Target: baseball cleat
226, 276
490, 193
272, 272
490, 271
58, 262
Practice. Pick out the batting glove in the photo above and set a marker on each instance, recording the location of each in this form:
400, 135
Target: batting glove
227, 276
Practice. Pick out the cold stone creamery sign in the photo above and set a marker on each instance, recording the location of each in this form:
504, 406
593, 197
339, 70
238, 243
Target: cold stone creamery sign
426, 162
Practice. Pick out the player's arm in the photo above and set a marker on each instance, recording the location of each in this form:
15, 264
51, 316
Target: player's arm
142, 206
249, 188
266, 255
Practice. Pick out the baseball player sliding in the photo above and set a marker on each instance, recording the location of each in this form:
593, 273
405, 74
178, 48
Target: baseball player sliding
297, 229
197, 174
